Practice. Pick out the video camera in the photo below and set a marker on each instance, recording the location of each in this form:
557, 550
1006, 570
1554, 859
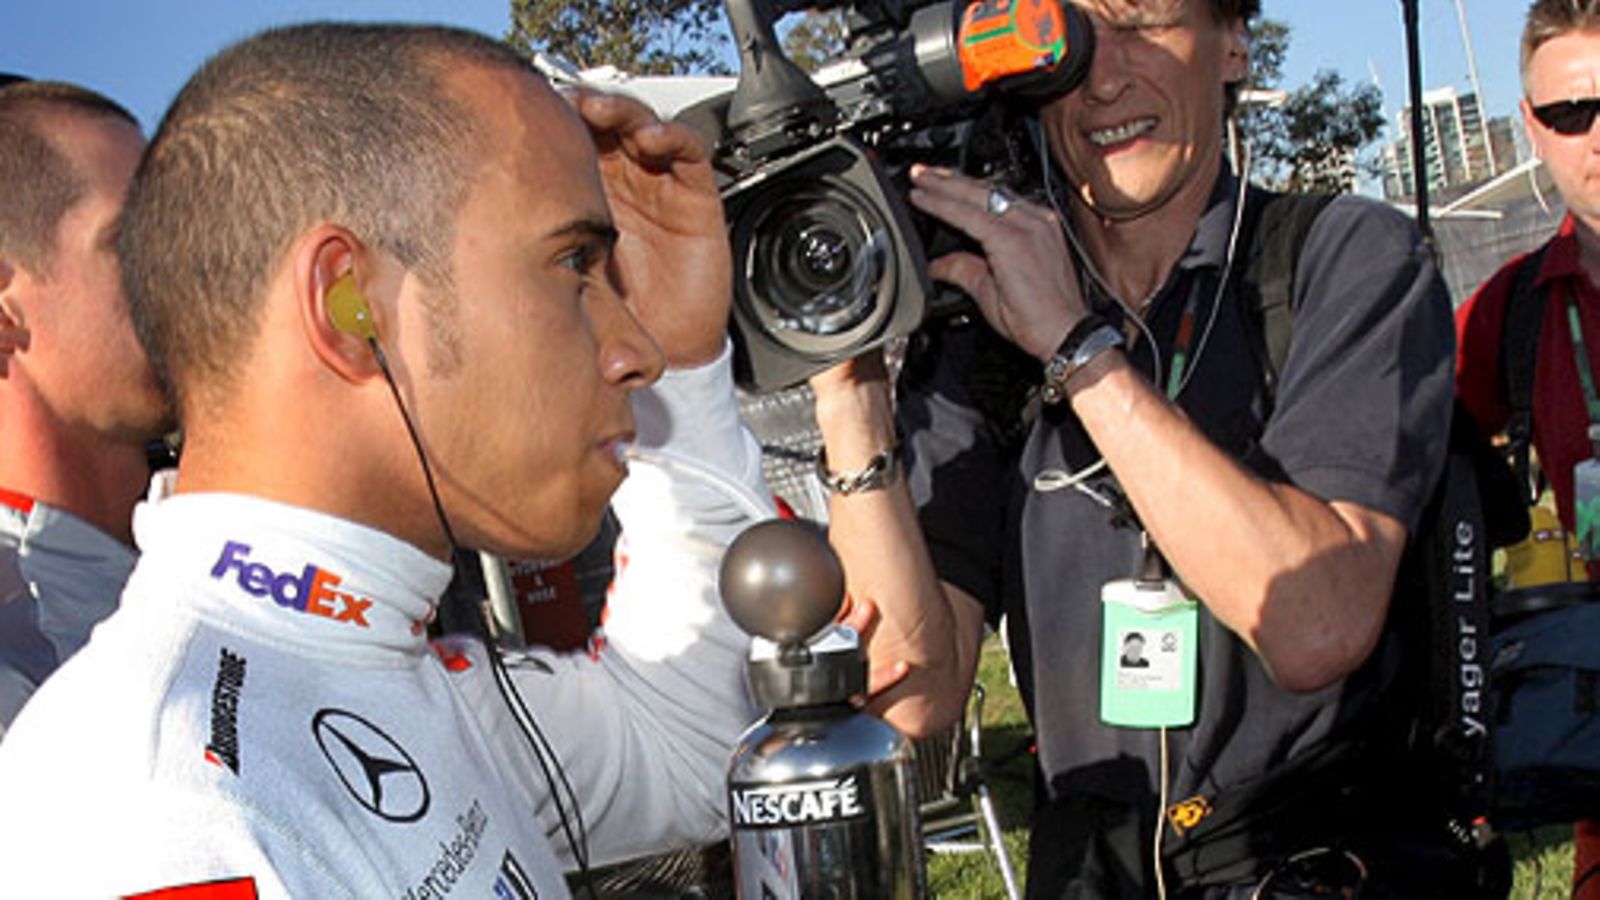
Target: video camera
829, 258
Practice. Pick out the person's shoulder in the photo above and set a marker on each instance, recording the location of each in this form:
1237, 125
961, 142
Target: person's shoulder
1481, 318
1490, 297
1363, 225
111, 710
146, 747
70, 831
71, 768
1362, 252
83, 723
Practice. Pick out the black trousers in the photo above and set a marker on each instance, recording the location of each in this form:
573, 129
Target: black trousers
1085, 847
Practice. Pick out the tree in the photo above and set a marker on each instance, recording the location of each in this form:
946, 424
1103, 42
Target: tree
1269, 46
1320, 133
1313, 140
640, 37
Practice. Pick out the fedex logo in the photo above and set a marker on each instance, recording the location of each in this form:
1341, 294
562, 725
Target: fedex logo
311, 591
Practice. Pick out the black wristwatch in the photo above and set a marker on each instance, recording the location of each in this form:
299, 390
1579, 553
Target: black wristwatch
1090, 337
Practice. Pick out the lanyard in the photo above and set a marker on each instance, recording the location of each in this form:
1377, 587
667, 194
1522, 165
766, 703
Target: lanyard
1181, 346
1154, 567
1580, 352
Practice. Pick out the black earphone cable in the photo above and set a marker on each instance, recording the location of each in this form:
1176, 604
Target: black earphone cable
543, 753
546, 757
427, 470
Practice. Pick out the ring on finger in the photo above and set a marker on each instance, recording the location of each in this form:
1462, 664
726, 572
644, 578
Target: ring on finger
1000, 201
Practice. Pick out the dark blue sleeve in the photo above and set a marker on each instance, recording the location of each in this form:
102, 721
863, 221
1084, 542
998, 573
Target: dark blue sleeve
955, 469
1363, 403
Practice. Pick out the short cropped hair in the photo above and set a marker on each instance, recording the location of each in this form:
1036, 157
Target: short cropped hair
349, 124
38, 182
1550, 19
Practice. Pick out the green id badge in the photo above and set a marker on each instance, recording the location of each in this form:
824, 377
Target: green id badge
1586, 507
1149, 649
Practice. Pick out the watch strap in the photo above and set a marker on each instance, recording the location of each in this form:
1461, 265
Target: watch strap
1089, 337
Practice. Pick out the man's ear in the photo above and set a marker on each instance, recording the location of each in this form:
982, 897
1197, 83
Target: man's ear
1530, 126
13, 321
13, 334
1236, 53
328, 275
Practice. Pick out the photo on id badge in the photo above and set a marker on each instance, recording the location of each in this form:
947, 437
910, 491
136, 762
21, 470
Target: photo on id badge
1149, 661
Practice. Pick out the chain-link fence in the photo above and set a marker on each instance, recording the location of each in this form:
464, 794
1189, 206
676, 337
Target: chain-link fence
1473, 246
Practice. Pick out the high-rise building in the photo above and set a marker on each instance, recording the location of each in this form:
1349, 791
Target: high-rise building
1503, 143
1459, 149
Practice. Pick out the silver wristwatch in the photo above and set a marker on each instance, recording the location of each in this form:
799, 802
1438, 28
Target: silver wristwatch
1079, 349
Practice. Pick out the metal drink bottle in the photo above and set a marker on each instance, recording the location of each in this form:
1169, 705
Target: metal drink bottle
821, 795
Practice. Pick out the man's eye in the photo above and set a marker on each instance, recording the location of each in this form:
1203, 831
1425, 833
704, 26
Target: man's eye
580, 259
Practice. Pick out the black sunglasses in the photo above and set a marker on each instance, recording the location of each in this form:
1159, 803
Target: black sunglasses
1568, 117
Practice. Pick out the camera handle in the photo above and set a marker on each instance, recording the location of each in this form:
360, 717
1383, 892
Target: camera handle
772, 91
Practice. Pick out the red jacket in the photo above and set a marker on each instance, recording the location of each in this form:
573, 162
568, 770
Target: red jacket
1560, 420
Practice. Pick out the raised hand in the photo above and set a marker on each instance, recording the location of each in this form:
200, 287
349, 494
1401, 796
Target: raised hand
673, 259
1024, 282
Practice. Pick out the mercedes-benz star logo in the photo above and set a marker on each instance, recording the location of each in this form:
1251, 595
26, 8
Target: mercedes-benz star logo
377, 772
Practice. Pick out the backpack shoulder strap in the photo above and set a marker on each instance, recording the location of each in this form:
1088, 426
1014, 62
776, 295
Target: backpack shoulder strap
1277, 228
1519, 350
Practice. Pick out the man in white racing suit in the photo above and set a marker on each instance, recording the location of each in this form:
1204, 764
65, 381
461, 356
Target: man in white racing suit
78, 402
325, 208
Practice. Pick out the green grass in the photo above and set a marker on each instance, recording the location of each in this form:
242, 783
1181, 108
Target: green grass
1543, 859
1543, 864
1005, 725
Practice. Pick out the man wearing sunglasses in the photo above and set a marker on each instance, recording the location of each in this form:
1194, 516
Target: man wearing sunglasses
1561, 84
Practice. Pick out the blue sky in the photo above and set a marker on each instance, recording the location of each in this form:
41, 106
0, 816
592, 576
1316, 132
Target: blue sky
1358, 37
140, 51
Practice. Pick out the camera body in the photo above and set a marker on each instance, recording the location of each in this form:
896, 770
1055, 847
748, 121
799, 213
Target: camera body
829, 258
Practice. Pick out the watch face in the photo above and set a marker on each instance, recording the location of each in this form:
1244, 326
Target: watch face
1100, 340
1074, 355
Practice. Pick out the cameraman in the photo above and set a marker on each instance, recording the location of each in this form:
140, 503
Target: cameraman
1282, 508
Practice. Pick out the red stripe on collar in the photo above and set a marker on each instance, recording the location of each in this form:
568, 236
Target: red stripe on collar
22, 503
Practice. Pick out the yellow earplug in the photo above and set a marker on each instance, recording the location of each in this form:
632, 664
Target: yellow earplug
348, 310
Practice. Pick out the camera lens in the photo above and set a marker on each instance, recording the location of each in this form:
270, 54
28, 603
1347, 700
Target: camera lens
815, 256
820, 258
826, 264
